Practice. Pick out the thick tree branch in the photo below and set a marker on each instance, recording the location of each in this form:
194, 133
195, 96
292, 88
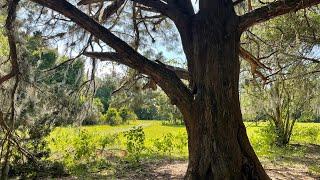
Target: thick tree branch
185, 6
165, 78
236, 2
115, 57
273, 10
176, 12
179, 11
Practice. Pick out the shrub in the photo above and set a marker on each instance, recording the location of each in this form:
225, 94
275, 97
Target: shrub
108, 140
83, 146
127, 114
164, 145
113, 117
43, 169
182, 141
103, 119
147, 113
89, 121
94, 113
308, 117
135, 138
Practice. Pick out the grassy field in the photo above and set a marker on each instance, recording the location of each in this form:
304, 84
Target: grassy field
94, 148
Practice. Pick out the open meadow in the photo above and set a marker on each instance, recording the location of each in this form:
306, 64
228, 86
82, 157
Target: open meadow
105, 151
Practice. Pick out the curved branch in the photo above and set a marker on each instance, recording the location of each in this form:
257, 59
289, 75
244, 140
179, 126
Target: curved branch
116, 57
165, 78
273, 10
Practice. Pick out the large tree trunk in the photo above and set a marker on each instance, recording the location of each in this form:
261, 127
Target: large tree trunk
218, 144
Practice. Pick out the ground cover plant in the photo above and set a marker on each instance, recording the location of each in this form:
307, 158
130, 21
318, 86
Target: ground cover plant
113, 154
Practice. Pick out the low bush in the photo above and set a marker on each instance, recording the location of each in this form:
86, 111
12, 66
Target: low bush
169, 143
135, 139
84, 149
127, 114
164, 145
108, 141
113, 117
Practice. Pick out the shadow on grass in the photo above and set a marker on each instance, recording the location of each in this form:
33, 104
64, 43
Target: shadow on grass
296, 161
302, 157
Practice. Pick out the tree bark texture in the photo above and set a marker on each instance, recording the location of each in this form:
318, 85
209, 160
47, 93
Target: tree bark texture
218, 144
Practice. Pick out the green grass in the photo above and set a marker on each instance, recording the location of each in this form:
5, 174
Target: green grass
79, 146
62, 139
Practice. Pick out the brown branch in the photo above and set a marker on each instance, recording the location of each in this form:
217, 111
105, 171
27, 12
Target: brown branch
237, 2
254, 63
166, 79
12, 8
273, 10
115, 57
86, 2
112, 8
133, 81
176, 12
253, 60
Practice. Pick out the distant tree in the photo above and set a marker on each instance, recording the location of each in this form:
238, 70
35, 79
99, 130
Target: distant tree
288, 92
283, 102
104, 92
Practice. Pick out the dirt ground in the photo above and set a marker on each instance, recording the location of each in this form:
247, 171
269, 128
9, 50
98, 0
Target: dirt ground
177, 169
286, 166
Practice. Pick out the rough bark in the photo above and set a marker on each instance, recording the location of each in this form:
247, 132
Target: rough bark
218, 144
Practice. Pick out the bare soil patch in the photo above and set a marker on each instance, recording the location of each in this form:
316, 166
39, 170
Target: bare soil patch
176, 169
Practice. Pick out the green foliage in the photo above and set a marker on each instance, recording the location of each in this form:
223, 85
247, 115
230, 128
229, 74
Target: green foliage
41, 170
147, 112
108, 141
155, 141
83, 148
309, 133
169, 143
147, 104
93, 115
104, 92
113, 117
127, 114
165, 145
309, 117
4, 48
41, 57
135, 138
